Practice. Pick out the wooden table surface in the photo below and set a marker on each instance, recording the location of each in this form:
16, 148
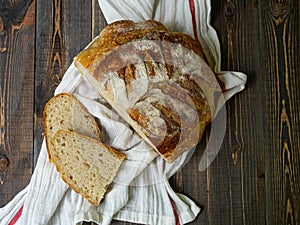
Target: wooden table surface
255, 177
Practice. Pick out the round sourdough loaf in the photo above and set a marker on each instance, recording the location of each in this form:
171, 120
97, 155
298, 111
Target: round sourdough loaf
157, 80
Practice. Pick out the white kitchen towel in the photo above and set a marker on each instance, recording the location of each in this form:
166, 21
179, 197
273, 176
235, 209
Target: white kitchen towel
145, 196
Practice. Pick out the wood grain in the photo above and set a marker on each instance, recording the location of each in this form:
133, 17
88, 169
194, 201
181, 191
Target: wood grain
98, 20
281, 26
237, 176
17, 25
63, 29
49, 61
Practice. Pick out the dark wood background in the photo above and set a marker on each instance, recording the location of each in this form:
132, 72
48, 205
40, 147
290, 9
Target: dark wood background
255, 177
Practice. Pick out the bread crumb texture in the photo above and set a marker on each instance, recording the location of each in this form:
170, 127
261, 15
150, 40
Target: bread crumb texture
74, 145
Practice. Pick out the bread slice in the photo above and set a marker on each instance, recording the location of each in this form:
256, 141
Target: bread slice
65, 112
87, 165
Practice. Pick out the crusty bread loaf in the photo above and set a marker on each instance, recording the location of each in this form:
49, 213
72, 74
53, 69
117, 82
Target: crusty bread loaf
64, 112
88, 166
157, 80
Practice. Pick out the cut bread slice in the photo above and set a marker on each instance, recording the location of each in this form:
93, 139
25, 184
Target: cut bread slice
65, 112
88, 166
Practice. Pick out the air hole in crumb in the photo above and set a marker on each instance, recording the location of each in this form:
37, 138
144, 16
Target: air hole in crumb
63, 144
87, 165
71, 177
51, 128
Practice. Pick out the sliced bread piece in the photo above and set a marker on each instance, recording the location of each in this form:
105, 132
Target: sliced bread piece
65, 112
88, 166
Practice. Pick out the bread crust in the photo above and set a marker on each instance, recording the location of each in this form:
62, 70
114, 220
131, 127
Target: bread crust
126, 53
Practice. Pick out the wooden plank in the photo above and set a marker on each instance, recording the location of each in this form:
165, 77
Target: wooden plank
280, 33
98, 20
236, 177
17, 35
48, 71
63, 29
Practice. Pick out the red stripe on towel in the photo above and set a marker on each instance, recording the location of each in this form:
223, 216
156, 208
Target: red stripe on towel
193, 13
16, 217
177, 222
221, 83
